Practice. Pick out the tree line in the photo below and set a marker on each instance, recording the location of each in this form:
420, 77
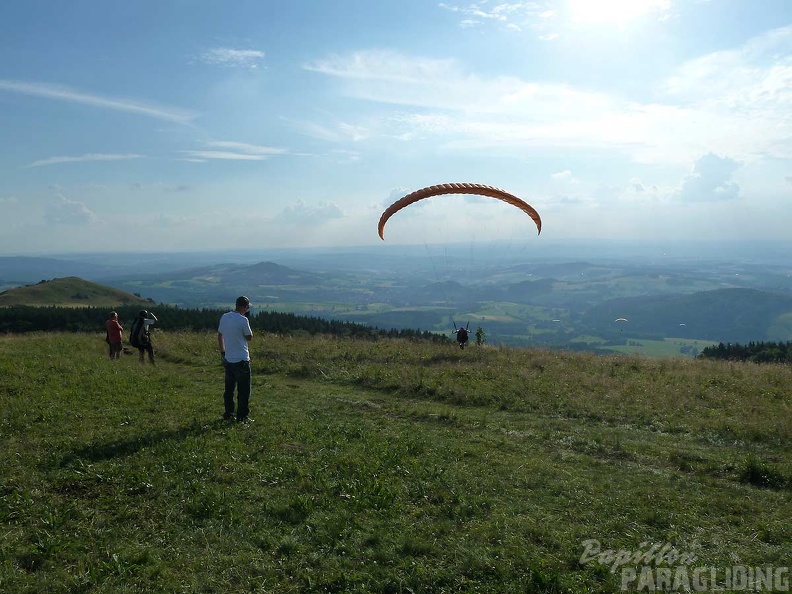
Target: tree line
20, 319
755, 352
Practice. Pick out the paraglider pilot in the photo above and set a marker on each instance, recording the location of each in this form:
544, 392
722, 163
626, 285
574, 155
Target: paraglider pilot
462, 336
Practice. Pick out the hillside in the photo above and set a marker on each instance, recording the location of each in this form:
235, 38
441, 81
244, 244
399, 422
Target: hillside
385, 466
727, 315
69, 291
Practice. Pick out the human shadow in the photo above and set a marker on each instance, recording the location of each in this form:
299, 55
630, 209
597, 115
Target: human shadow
97, 452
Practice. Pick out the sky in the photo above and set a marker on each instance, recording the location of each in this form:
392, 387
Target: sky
193, 125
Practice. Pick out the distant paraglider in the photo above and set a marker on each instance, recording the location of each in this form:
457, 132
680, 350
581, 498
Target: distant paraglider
457, 188
621, 320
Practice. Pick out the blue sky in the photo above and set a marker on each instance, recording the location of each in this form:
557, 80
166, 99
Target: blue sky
190, 125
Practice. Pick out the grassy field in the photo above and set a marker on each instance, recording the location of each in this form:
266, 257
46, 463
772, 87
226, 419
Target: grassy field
385, 466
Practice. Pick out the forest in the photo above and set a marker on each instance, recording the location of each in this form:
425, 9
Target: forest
26, 318
754, 352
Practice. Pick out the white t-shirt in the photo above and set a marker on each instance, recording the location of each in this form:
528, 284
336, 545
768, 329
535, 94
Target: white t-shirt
235, 327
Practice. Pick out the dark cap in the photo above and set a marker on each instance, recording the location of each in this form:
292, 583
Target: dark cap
242, 301
142, 313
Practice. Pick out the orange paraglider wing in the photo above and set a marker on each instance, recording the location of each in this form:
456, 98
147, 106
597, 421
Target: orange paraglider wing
461, 188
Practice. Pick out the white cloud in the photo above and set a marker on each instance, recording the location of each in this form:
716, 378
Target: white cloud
69, 212
63, 93
734, 102
233, 58
512, 15
250, 149
710, 180
84, 158
200, 156
565, 176
474, 13
550, 19
299, 212
234, 151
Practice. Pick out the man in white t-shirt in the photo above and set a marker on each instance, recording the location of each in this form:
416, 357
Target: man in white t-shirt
233, 335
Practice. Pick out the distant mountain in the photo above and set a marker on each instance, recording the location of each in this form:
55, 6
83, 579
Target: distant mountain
26, 269
69, 291
726, 315
262, 273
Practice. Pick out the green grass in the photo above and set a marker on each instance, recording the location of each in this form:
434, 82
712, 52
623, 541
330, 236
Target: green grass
385, 466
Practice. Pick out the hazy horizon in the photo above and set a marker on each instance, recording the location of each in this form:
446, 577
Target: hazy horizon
486, 254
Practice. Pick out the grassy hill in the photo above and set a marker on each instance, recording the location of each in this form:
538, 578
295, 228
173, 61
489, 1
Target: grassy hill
69, 291
383, 466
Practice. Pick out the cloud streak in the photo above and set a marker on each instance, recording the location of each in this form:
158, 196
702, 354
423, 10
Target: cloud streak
83, 159
233, 151
233, 58
67, 94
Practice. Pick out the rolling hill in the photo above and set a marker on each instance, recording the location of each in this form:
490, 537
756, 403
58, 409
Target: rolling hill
70, 291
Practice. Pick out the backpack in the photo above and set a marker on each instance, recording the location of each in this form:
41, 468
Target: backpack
138, 337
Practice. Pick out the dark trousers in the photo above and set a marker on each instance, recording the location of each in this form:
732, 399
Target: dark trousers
147, 348
237, 376
115, 350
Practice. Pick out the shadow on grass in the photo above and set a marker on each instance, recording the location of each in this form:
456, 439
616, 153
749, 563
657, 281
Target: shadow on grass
96, 452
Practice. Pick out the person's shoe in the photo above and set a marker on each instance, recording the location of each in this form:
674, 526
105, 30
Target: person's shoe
245, 420
228, 417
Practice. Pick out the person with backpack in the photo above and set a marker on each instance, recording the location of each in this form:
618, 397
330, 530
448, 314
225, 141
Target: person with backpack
233, 336
140, 336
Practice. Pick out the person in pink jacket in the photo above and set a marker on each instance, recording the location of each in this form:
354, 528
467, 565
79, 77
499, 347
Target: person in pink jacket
115, 333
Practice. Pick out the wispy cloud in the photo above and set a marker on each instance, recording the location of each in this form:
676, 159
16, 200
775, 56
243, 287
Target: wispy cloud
733, 102
537, 16
233, 58
83, 159
64, 211
548, 19
339, 132
64, 93
234, 151
252, 149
